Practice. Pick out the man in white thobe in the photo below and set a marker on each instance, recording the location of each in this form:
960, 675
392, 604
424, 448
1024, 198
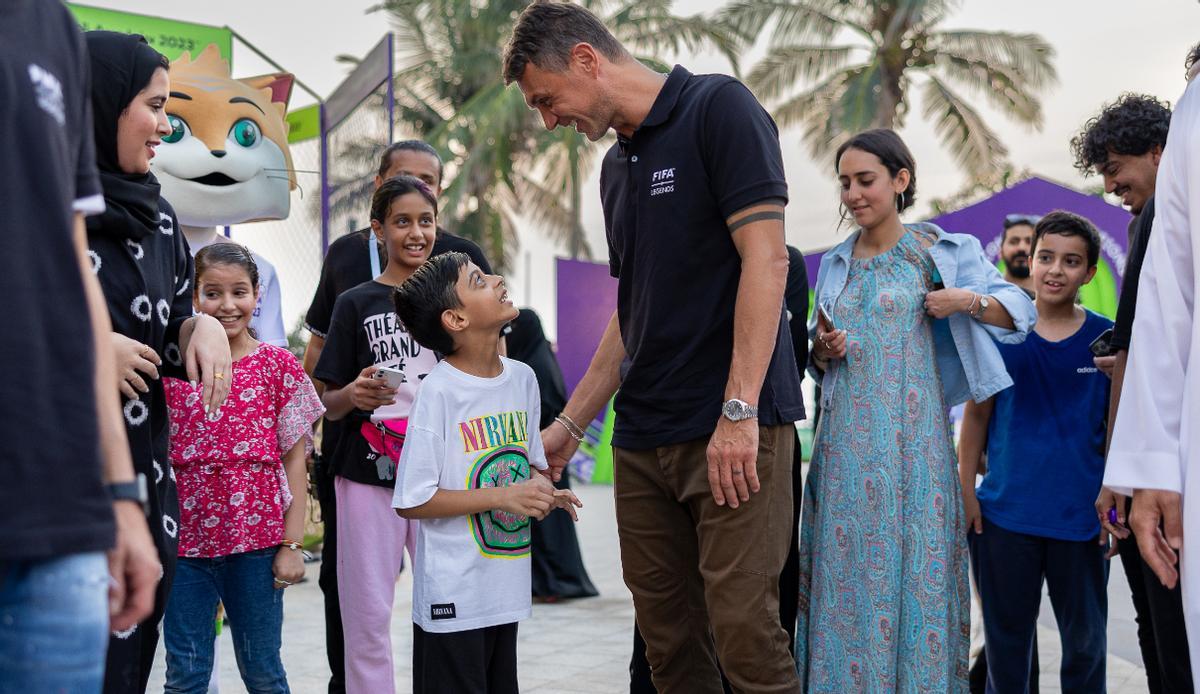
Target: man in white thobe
1153, 445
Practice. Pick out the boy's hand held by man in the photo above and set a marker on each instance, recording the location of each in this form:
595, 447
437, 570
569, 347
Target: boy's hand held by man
533, 497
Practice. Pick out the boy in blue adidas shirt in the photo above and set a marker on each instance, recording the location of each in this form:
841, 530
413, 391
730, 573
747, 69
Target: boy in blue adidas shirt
469, 472
1032, 519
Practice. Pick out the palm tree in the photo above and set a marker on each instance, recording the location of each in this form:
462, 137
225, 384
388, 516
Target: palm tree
858, 61
502, 162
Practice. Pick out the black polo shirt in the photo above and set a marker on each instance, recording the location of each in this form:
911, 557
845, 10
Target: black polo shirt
706, 150
1127, 303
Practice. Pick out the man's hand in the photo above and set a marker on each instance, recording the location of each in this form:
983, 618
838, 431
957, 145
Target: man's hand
368, 393
534, 497
1157, 521
1105, 364
971, 511
134, 357
559, 447
1111, 533
209, 362
134, 567
733, 461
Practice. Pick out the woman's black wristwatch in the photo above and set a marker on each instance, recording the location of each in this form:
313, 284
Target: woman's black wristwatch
133, 490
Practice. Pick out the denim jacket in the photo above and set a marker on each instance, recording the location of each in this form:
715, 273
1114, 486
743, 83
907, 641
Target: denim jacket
968, 360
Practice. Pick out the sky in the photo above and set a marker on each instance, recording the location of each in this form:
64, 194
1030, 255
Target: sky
1103, 49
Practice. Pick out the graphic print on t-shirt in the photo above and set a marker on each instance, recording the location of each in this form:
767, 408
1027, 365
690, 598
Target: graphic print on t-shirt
392, 346
504, 461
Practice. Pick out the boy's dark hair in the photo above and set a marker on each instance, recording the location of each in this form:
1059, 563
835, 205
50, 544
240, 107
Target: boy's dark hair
891, 150
429, 292
385, 159
1132, 125
393, 188
1066, 223
546, 32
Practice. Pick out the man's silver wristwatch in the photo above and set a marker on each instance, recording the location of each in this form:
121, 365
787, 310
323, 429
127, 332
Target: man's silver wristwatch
736, 410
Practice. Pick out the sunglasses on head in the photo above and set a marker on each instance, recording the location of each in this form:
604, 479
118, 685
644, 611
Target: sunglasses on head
1015, 219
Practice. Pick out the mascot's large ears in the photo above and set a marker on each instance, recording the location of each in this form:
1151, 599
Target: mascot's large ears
280, 84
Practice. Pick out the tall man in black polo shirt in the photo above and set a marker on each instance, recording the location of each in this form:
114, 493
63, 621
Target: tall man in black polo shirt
1124, 144
76, 557
351, 260
693, 195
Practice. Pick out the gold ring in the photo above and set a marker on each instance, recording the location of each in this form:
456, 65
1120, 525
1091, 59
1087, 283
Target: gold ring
218, 375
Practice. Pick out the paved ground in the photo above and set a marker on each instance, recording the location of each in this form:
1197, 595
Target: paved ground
583, 646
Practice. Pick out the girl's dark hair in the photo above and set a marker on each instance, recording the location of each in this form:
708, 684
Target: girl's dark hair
393, 188
430, 291
226, 253
891, 150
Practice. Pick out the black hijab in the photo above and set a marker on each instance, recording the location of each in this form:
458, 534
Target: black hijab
122, 65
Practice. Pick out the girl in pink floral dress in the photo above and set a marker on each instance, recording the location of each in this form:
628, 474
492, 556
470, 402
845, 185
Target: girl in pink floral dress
241, 476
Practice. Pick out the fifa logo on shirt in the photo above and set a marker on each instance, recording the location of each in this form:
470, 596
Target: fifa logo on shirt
662, 182
49, 92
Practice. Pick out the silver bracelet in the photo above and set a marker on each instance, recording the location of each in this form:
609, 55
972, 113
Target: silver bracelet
571, 427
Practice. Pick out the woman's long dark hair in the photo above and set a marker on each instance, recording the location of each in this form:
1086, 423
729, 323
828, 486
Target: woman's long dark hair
891, 150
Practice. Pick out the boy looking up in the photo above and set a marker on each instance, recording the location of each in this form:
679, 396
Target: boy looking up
1032, 518
466, 473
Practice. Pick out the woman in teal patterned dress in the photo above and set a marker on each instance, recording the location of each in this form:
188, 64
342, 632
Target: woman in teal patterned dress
884, 603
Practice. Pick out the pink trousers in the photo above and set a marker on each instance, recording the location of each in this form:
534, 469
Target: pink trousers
370, 555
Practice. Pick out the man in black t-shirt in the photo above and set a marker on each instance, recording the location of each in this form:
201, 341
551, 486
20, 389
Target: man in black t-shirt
693, 194
1016, 243
1124, 144
351, 260
69, 494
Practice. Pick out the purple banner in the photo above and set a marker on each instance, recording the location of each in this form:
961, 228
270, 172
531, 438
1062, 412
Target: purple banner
587, 297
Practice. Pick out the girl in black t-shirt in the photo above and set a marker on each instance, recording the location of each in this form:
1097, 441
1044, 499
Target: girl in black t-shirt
143, 265
364, 337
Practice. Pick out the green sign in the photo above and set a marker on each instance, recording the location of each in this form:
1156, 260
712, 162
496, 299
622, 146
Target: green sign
167, 36
304, 123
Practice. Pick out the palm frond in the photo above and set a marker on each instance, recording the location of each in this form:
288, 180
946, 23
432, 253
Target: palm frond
999, 84
974, 146
794, 22
826, 112
783, 67
1027, 55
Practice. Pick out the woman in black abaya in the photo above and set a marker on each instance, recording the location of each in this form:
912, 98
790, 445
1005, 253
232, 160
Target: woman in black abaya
558, 570
145, 269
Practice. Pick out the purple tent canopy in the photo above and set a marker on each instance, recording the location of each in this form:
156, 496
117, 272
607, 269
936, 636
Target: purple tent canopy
1037, 196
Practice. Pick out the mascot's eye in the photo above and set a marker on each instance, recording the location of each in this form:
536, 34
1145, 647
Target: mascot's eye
178, 129
246, 132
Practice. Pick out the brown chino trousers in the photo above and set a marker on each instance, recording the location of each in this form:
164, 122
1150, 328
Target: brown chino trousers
702, 574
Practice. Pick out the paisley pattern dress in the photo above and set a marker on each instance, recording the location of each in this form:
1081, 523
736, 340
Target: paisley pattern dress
884, 602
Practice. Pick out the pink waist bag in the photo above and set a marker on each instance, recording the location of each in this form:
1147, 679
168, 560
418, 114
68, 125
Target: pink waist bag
386, 437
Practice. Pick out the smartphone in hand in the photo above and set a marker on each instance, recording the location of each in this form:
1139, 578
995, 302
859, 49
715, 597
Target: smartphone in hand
1102, 345
391, 375
826, 318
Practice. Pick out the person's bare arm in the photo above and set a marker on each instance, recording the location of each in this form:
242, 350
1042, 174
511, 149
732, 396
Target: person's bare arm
533, 497
289, 563
597, 387
133, 562
312, 354
971, 446
758, 236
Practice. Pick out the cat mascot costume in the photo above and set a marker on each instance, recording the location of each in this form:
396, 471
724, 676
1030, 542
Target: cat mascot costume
227, 161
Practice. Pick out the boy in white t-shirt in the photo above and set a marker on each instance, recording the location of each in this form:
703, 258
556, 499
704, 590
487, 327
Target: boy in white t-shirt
466, 471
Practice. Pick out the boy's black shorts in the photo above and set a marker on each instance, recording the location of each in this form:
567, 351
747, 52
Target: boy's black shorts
477, 661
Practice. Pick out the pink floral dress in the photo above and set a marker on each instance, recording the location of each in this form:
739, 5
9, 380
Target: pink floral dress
232, 487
